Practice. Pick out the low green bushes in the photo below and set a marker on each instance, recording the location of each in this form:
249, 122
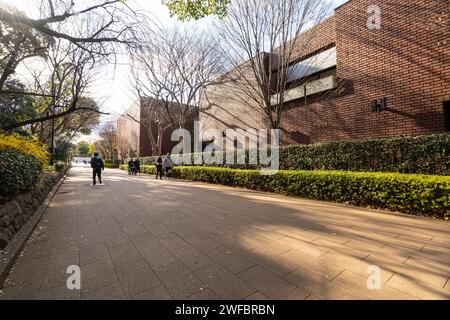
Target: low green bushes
22, 162
112, 166
408, 193
428, 154
18, 172
113, 162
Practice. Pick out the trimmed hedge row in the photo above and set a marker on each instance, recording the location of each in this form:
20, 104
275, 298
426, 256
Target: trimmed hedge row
415, 194
113, 162
112, 166
428, 154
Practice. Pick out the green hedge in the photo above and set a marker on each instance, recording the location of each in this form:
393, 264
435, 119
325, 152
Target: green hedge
112, 166
420, 155
18, 172
116, 163
408, 193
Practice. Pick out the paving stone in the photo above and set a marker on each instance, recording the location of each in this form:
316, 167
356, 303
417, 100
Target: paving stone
314, 265
60, 293
111, 292
224, 283
271, 285
157, 255
357, 282
98, 275
256, 296
206, 294
231, 260
158, 293
417, 288
136, 277
179, 281
93, 253
193, 258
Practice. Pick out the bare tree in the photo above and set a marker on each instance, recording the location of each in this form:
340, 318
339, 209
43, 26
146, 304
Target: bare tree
260, 39
114, 22
174, 66
107, 144
68, 73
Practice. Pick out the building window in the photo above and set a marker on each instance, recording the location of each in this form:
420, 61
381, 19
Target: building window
318, 63
310, 76
447, 116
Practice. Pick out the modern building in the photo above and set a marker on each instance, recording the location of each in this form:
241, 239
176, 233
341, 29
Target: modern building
370, 82
145, 120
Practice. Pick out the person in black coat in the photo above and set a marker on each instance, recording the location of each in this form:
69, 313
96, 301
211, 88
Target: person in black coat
130, 166
159, 168
137, 166
97, 166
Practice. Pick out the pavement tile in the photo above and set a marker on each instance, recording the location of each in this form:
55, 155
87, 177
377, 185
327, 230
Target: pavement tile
111, 292
136, 277
271, 285
314, 265
158, 293
224, 283
417, 288
179, 280
231, 260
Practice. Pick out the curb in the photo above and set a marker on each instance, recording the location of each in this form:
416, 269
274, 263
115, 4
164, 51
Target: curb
15, 247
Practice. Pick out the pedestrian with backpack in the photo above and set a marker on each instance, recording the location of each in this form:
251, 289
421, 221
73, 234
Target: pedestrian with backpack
159, 168
97, 166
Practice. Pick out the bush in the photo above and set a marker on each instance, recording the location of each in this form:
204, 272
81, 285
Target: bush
408, 193
22, 162
18, 172
113, 162
112, 166
420, 155
24, 146
60, 166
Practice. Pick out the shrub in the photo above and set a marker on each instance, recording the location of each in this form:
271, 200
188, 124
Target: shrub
428, 154
60, 166
18, 172
111, 166
21, 164
409, 193
113, 162
25, 146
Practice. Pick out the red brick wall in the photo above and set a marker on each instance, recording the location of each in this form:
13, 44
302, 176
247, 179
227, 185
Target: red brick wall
407, 61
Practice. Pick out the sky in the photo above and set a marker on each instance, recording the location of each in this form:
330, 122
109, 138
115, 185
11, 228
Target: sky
112, 88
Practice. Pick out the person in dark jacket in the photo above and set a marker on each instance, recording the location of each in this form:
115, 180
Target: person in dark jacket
97, 166
137, 166
130, 167
159, 168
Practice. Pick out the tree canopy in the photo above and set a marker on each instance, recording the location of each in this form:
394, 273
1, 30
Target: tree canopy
196, 9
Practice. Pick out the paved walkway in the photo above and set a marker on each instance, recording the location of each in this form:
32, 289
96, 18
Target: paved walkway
138, 238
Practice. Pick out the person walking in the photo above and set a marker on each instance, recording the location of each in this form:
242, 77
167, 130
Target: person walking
159, 168
168, 163
137, 166
130, 167
97, 166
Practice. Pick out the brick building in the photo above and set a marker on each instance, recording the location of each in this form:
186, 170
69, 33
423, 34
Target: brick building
140, 120
402, 68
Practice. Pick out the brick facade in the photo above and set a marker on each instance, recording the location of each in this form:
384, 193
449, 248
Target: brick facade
407, 61
133, 127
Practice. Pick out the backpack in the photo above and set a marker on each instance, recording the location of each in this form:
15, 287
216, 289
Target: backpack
96, 163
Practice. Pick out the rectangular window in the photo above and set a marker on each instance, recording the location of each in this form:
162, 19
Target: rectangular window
447, 116
313, 65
